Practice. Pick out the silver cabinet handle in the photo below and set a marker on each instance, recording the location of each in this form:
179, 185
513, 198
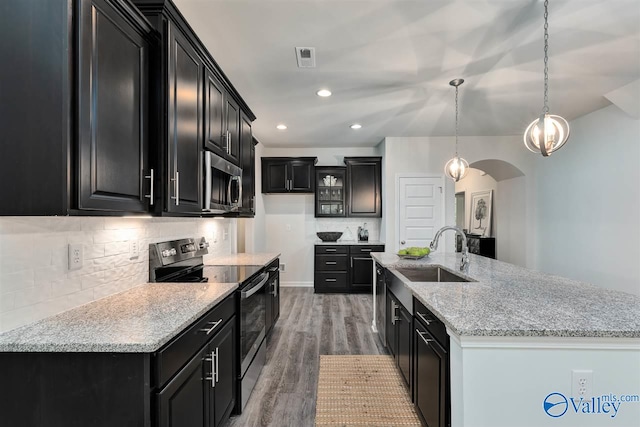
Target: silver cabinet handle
365, 249
330, 263
394, 307
216, 371
213, 326
422, 334
212, 378
424, 319
150, 195
330, 280
275, 287
402, 242
329, 250
176, 185
228, 142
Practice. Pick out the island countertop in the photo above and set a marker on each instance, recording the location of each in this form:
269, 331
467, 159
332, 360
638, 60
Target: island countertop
508, 300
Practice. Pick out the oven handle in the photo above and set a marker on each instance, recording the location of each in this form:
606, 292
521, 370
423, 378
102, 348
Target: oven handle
246, 294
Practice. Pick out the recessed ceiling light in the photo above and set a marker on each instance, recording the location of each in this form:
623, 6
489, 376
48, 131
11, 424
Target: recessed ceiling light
323, 93
281, 127
356, 126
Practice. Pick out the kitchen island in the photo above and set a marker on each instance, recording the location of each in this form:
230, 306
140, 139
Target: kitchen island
517, 335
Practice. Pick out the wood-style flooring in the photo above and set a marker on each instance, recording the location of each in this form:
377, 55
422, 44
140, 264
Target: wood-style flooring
309, 325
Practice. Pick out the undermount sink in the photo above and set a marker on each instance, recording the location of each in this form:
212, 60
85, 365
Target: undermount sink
431, 274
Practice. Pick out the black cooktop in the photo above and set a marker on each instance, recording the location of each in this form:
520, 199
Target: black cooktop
230, 273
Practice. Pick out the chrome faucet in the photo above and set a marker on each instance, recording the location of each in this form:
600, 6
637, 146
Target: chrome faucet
464, 264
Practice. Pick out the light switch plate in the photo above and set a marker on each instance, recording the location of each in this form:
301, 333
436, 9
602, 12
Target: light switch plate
134, 249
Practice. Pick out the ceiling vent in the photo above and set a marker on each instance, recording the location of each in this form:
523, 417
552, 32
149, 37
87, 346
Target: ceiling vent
306, 57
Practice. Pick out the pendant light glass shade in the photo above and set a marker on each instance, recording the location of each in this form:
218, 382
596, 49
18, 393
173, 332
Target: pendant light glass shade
457, 167
547, 133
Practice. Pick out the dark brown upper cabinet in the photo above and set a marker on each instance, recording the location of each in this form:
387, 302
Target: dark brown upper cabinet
288, 174
248, 164
331, 186
222, 121
185, 129
77, 126
364, 186
113, 112
196, 108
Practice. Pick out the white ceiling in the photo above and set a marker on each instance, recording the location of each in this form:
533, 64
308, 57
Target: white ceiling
389, 63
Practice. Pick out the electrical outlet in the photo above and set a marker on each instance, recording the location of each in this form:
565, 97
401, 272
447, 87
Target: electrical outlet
581, 383
283, 267
225, 235
76, 256
134, 249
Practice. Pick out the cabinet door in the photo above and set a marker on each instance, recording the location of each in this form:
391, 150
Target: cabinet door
392, 315
274, 176
403, 330
301, 177
330, 191
214, 119
232, 114
248, 166
184, 182
183, 402
113, 67
364, 197
430, 378
222, 351
361, 273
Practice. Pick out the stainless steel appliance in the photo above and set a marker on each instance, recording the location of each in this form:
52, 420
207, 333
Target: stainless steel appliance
252, 315
222, 185
177, 261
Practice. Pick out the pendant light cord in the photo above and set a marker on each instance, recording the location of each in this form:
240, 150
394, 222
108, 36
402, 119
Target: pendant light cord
456, 121
545, 109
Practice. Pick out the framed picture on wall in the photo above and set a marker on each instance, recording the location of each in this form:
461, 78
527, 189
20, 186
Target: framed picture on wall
480, 216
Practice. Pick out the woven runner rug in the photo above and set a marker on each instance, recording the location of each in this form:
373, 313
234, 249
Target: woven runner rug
362, 391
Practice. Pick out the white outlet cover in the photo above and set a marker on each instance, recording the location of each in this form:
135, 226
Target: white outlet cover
134, 249
581, 383
76, 256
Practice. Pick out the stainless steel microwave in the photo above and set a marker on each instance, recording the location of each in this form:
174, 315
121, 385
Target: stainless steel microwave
222, 185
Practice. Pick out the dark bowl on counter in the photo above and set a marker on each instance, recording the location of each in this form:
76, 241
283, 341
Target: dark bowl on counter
329, 236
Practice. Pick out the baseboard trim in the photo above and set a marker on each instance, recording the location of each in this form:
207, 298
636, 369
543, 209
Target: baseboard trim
296, 284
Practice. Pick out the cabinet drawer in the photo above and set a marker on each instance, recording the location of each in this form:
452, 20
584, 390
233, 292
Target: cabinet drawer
337, 249
328, 280
331, 263
174, 355
362, 249
431, 322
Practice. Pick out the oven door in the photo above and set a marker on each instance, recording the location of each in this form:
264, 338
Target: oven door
253, 305
222, 185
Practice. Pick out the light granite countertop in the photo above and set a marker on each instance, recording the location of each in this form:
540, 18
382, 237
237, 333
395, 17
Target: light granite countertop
350, 243
508, 300
140, 320
257, 258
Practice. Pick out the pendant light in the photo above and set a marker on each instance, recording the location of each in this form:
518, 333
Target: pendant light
457, 167
547, 133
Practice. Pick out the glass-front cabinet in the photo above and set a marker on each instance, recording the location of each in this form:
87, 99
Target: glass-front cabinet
330, 191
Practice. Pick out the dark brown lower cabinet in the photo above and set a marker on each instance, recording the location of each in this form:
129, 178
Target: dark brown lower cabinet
431, 384
344, 268
398, 331
273, 295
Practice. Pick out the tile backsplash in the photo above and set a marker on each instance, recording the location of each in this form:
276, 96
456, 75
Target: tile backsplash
349, 227
35, 281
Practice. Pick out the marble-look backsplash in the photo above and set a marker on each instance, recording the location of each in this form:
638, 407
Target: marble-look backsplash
35, 281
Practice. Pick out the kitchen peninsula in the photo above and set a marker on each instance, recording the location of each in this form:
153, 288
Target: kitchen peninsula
516, 336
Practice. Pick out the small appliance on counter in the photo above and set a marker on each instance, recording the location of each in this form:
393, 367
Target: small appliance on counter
363, 233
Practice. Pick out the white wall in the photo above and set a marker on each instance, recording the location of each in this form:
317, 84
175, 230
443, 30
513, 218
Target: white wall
35, 281
429, 155
289, 223
588, 222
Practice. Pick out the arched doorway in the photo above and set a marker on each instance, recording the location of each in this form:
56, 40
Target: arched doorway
509, 211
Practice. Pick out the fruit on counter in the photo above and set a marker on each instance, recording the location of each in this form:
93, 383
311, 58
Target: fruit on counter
414, 251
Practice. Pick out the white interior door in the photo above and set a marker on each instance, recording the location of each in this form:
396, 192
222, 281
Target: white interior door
420, 209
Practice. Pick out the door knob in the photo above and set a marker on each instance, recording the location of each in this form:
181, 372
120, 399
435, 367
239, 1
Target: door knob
402, 242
